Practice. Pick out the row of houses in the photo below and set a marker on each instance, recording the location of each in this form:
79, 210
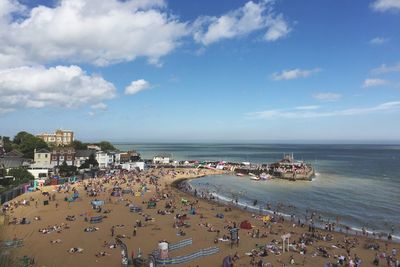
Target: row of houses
46, 161
72, 157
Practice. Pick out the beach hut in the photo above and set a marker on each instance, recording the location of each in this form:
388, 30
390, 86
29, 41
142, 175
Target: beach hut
246, 225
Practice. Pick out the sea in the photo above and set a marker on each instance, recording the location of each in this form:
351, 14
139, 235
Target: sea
355, 185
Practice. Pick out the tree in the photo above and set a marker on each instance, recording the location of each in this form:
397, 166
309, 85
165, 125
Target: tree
66, 170
21, 175
90, 162
7, 144
26, 143
106, 146
78, 145
18, 139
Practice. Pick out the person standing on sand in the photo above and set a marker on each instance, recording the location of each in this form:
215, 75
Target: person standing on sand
134, 230
376, 260
112, 231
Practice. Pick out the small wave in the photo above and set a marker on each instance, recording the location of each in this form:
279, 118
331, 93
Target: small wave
370, 232
248, 206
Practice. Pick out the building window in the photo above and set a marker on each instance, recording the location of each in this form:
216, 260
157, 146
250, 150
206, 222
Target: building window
45, 155
38, 155
61, 158
69, 158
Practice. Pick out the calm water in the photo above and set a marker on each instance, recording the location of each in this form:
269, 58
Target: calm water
358, 183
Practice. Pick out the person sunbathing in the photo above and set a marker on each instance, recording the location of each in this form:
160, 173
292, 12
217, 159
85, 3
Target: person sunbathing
57, 241
102, 254
181, 233
91, 229
70, 218
75, 250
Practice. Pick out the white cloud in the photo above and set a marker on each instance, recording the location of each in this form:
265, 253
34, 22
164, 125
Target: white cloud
278, 28
99, 106
386, 69
242, 21
299, 114
137, 86
293, 74
60, 86
5, 110
99, 32
374, 82
386, 5
307, 107
327, 96
378, 41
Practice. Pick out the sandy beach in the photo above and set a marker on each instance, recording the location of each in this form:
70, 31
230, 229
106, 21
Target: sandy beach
50, 248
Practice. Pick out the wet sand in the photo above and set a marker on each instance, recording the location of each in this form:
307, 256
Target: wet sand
38, 245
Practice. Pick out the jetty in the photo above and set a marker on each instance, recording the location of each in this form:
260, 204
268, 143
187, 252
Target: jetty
287, 168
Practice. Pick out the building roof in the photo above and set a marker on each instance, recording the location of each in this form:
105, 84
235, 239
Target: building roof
163, 155
12, 162
14, 154
84, 153
42, 150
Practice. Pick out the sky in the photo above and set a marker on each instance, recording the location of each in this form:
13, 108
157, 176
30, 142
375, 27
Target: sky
178, 70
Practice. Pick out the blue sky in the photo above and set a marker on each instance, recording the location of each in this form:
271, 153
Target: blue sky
155, 71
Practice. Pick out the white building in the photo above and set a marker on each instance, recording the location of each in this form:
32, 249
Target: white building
59, 138
81, 156
133, 165
39, 172
106, 160
162, 159
42, 157
116, 157
103, 159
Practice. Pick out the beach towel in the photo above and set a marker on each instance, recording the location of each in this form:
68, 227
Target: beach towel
126, 191
135, 209
96, 219
151, 204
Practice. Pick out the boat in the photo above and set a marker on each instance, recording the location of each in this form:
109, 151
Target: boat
239, 174
265, 176
254, 178
252, 174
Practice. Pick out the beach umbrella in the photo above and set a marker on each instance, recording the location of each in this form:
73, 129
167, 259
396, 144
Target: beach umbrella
227, 262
